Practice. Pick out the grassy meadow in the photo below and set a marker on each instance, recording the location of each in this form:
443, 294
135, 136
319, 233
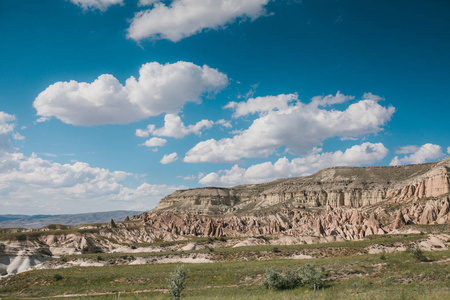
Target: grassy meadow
377, 276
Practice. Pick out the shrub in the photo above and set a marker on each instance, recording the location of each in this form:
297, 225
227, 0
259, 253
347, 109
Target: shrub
417, 254
306, 276
310, 277
383, 257
273, 280
57, 277
91, 249
288, 280
276, 250
176, 282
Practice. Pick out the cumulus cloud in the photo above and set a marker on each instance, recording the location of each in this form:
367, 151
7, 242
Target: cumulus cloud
364, 154
169, 158
261, 104
336, 99
298, 127
422, 154
184, 18
32, 184
155, 142
406, 149
6, 129
96, 4
159, 89
174, 127
448, 150
192, 177
37, 183
224, 123
147, 2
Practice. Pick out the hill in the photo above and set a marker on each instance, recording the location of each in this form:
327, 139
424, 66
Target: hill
38, 221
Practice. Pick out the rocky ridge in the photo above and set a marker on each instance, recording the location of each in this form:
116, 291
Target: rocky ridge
351, 187
335, 204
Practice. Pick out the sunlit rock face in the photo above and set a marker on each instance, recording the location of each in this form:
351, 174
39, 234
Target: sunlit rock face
335, 187
335, 204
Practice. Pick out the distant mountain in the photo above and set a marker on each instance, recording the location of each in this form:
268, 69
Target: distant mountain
38, 221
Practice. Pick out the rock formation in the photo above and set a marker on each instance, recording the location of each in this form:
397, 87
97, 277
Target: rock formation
352, 187
340, 203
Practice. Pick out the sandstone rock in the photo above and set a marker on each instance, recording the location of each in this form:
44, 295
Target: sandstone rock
399, 220
429, 214
319, 228
112, 224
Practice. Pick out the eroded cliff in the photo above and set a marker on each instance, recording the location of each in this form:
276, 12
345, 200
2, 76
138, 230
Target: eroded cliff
351, 187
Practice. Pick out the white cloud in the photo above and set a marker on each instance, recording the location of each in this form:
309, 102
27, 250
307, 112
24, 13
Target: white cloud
6, 123
224, 123
7, 126
169, 158
423, 154
335, 99
448, 150
35, 185
298, 127
174, 127
261, 104
155, 142
96, 4
406, 149
193, 177
159, 89
17, 136
184, 18
147, 2
364, 154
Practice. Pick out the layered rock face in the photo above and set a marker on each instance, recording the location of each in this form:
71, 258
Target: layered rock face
343, 222
338, 203
334, 187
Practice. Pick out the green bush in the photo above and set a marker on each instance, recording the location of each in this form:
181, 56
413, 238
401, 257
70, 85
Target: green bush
310, 277
417, 254
57, 277
280, 282
306, 276
176, 282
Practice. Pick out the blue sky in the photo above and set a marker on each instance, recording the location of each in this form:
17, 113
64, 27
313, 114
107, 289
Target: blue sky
113, 104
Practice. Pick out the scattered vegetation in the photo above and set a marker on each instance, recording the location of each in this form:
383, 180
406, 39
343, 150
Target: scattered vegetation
397, 277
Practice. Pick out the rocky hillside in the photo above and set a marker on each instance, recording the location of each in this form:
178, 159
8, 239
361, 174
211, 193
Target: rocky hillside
347, 187
342, 202
335, 204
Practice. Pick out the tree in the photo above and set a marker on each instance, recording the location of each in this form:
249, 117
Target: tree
176, 282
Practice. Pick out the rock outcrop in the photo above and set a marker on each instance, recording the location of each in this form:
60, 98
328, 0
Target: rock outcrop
352, 187
334, 204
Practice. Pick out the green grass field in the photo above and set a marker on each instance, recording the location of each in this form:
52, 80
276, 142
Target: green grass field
391, 276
